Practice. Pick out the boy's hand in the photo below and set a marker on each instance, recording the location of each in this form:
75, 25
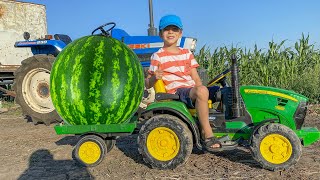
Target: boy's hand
158, 74
151, 79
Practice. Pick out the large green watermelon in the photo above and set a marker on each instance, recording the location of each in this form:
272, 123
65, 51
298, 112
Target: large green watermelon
96, 80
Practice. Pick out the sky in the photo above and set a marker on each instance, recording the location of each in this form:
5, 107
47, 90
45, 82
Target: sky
213, 23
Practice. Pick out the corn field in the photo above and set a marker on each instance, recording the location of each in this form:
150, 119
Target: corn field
294, 68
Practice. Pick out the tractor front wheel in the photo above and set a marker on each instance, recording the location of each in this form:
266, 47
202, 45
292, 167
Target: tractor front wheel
275, 147
165, 142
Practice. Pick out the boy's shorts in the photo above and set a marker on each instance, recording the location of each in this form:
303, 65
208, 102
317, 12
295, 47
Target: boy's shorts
184, 95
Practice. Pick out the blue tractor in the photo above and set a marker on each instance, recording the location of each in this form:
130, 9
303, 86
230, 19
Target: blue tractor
32, 78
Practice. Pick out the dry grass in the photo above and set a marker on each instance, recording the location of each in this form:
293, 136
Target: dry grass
314, 109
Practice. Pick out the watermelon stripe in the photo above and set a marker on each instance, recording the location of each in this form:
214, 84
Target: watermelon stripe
136, 68
115, 79
96, 82
115, 82
62, 99
79, 104
63, 85
123, 103
54, 77
65, 104
128, 90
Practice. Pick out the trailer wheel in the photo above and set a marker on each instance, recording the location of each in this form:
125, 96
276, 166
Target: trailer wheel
165, 142
276, 147
90, 150
32, 87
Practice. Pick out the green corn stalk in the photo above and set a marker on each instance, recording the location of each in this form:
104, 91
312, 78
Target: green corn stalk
294, 68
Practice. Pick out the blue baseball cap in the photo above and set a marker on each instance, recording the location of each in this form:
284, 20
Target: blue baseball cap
170, 20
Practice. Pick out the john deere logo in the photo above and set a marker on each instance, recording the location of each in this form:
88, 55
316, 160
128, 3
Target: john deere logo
281, 108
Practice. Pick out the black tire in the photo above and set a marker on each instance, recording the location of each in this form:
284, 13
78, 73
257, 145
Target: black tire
283, 146
90, 150
32, 94
110, 144
174, 131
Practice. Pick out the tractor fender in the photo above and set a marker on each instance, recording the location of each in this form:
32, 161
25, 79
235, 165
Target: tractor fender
192, 126
264, 122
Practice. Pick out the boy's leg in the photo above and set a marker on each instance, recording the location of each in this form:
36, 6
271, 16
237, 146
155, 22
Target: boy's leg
200, 94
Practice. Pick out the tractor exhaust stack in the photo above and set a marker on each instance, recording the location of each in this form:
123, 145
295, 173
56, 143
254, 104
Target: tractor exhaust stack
152, 31
236, 106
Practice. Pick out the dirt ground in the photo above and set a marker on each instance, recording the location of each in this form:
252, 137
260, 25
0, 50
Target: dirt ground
30, 151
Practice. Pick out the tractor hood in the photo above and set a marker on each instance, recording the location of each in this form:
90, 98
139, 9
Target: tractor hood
271, 91
274, 103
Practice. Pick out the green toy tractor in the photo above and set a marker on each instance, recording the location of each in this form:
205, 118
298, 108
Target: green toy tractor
267, 120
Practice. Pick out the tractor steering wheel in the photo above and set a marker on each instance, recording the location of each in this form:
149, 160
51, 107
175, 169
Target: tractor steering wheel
219, 78
105, 32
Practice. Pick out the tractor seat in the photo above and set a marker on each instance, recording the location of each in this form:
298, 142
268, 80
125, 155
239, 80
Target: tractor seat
166, 96
62, 37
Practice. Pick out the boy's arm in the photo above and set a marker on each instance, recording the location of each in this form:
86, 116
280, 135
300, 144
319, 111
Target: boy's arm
154, 71
150, 81
195, 76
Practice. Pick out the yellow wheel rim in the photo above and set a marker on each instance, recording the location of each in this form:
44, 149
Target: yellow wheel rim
89, 152
276, 148
163, 144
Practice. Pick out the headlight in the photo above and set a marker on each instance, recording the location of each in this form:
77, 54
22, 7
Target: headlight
300, 114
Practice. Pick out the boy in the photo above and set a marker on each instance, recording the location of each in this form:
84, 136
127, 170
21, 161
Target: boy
177, 68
